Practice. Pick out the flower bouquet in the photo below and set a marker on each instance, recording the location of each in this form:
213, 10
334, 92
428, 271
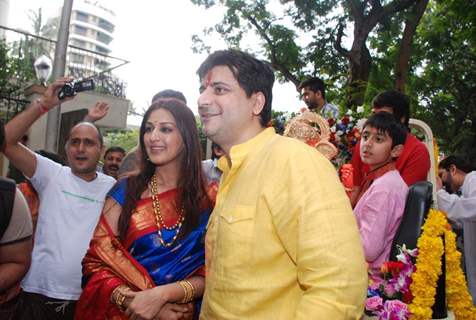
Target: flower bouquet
389, 292
345, 133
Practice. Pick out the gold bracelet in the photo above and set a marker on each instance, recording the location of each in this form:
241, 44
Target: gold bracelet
118, 298
187, 291
192, 290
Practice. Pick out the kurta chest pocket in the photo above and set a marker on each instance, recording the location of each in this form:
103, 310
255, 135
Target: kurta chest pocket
236, 228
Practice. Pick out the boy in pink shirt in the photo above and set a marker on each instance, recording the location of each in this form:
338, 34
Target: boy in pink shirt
382, 198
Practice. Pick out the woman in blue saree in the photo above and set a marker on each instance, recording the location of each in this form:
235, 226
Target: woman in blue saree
146, 258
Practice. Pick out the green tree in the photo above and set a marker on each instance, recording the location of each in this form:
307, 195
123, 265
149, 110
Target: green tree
14, 72
443, 84
306, 37
126, 139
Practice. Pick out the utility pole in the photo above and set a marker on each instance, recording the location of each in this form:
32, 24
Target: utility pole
59, 64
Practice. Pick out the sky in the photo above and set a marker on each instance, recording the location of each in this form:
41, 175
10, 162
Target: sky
155, 36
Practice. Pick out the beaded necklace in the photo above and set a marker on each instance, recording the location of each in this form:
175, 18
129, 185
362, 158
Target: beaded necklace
158, 215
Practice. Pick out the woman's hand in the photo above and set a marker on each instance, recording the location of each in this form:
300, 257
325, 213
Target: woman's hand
145, 305
173, 311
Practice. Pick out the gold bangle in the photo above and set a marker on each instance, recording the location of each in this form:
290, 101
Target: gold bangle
118, 298
188, 291
192, 290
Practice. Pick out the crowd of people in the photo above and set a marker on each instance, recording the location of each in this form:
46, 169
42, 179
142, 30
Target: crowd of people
263, 230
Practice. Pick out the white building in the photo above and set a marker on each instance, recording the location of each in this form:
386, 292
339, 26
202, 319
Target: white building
4, 9
91, 28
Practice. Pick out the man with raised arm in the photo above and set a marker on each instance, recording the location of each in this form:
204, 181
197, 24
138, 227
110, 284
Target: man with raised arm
71, 199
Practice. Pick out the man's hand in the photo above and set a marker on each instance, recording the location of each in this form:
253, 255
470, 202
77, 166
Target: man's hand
145, 305
173, 311
97, 112
49, 99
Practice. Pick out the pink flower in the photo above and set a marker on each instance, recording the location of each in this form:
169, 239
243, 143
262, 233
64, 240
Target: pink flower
374, 303
389, 289
394, 310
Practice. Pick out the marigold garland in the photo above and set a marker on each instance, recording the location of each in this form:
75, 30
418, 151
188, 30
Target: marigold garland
459, 299
428, 266
436, 154
428, 269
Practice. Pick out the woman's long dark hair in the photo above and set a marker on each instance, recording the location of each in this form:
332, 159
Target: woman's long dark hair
190, 182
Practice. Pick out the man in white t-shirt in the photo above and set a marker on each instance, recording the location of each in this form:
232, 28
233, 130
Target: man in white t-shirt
71, 199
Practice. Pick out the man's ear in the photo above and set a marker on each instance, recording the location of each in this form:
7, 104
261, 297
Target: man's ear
397, 151
258, 104
452, 170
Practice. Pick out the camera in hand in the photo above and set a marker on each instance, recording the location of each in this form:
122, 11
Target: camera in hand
70, 89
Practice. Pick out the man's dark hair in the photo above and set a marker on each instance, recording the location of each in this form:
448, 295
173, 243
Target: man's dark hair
169, 93
397, 101
458, 161
314, 84
384, 122
253, 75
114, 149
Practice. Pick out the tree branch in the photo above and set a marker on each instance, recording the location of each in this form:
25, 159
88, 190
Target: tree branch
379, 13
274, 60
338, 41
403, 59
356, 10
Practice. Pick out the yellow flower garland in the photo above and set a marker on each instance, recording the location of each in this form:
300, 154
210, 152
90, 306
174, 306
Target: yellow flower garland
436, 154
459, 299
428, 269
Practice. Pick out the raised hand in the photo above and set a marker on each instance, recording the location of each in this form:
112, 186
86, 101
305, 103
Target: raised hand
97, 112
49, 99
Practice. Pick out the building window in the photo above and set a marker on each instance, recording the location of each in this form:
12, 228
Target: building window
102, 50
80, 30
78, 43
104, 38
106, 25
81, 16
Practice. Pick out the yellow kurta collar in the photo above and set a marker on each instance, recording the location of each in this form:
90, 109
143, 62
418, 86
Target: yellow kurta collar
238, 153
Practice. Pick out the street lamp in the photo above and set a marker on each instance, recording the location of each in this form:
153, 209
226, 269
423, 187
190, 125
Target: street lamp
43, 69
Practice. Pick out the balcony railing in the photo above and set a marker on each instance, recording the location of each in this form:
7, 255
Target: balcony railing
81, 62
10, 105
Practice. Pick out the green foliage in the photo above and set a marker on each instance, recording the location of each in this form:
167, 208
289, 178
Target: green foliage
444, 79
17, 58
16, 69
126, 139
303, 38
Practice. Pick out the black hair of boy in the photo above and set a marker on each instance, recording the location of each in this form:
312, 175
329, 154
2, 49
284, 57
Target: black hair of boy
384, 122
399, 103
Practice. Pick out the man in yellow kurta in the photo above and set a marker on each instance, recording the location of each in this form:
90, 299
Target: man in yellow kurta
282, 242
